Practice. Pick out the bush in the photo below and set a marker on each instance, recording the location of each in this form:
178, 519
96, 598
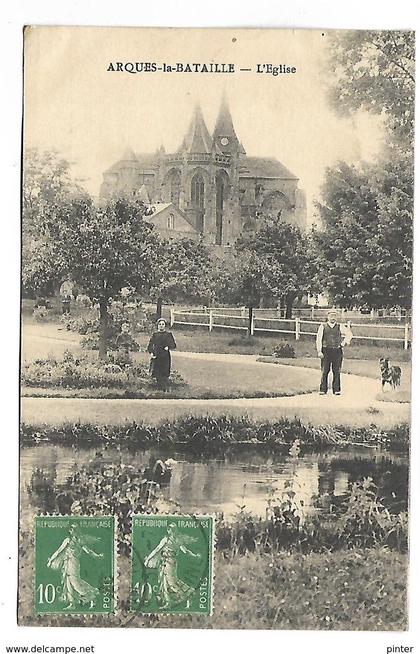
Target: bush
84, 300
89, 326
86, 372
41, 314
102, 487
284, 351
361, 521
208, 433
91, 341
82, 324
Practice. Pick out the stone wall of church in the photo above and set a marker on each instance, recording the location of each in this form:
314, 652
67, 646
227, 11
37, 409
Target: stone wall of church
271, 197
244, 198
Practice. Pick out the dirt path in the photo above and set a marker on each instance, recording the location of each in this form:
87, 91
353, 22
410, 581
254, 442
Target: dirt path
357, 406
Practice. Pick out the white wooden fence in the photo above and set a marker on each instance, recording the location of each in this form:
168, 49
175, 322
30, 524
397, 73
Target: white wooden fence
213, 318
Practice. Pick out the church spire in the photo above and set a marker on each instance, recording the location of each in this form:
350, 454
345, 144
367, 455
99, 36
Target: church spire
197, 139
224, 135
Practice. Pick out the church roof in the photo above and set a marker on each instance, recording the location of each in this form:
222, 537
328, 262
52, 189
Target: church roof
197, 139
129, 155
144, 161
160, 206
224, 122
264, 167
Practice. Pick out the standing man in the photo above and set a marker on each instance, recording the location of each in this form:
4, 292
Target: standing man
65, 304
330, 340
66, 291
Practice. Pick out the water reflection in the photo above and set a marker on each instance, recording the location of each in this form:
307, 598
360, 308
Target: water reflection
241, 478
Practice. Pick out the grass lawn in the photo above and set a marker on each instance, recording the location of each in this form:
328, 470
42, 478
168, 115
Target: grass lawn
119, 412
236, 379
363, 590
208, 379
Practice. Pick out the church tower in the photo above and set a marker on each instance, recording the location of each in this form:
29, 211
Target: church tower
202, 177
195, 174
224, 135
197, 139
228, 221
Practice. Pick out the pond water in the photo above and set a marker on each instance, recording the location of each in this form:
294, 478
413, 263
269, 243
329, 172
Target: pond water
224, 483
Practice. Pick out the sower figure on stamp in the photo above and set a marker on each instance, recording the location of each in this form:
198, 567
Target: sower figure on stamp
66, 559
330, 340
159, 347
172, 589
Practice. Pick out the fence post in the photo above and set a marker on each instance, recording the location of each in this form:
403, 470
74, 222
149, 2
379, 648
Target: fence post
406, 334
172, 316
312, 312
297, 328
210, 320
250, 321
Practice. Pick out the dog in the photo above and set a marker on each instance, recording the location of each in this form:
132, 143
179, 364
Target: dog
389, 374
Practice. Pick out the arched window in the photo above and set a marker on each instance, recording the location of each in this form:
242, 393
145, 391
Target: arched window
171, 221
197, 191
197, 199
276, 204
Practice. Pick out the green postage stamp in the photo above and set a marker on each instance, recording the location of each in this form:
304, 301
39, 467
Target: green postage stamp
172, 564
74, 564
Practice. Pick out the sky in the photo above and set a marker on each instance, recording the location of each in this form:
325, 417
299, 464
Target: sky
91, 115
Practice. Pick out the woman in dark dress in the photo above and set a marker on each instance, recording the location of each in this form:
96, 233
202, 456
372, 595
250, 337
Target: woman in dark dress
160, 345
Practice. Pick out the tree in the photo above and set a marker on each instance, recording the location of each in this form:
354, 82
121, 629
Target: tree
374, 70
47, 186
106, 249
281, 266
185, 272
237, 278
364, 243
348, 211
392, 240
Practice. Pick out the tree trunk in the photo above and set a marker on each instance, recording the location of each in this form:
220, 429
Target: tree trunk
159, 308
103, 330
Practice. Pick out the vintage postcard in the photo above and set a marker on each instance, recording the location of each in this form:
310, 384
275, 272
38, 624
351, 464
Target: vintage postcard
217, 236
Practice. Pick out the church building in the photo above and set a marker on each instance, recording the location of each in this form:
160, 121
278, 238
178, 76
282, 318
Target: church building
213, 189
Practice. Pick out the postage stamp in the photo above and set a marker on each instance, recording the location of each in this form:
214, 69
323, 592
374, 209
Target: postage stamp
74, 564
172, 564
